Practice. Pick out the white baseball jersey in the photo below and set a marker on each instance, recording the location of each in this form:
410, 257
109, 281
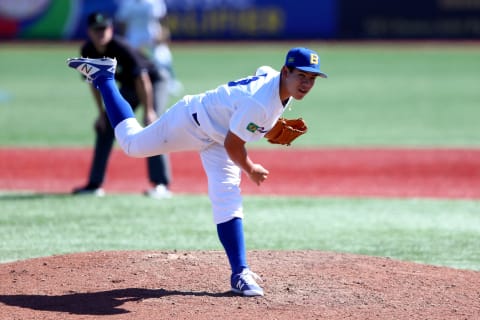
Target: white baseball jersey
249, 107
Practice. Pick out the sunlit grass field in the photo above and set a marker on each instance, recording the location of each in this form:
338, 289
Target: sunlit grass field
376, 95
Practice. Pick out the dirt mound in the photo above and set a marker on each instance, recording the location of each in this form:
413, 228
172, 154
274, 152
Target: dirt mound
195, 285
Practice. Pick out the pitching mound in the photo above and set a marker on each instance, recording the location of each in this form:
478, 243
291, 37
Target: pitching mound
195, 285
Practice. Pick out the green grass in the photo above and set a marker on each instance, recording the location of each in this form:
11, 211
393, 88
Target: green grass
375, 96
384, 96
440, 232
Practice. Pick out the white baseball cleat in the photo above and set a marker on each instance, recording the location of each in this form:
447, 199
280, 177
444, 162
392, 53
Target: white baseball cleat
245, 284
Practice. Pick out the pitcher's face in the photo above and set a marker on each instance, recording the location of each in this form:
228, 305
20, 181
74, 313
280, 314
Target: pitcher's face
298, 83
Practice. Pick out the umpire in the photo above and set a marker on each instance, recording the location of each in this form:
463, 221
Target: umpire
139, 83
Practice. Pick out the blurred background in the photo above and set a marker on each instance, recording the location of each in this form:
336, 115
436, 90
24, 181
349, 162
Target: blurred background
259, 19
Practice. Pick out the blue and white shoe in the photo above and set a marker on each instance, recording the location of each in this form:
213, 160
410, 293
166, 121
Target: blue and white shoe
94, 68
244, 283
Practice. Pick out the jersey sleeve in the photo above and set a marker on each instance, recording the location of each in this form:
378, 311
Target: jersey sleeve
264, 70
249, 120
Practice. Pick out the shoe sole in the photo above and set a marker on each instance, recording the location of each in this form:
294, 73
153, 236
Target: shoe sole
90, 68
248, 293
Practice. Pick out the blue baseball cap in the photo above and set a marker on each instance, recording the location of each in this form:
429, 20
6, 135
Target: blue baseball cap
304, 59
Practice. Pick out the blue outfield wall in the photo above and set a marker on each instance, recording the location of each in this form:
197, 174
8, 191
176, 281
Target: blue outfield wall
259, 19
409, 19
188, 19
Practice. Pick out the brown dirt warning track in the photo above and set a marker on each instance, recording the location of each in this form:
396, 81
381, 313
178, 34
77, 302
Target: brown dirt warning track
194, 284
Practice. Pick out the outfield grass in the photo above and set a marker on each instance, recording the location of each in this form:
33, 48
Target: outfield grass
375, 96
417, 96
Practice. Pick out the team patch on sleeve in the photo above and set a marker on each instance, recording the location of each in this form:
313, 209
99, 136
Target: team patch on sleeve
252, 127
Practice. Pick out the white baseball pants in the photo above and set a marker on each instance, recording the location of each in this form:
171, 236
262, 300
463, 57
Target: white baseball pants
176, 130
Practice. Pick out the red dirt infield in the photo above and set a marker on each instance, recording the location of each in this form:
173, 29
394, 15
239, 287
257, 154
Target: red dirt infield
303, 284
437, 173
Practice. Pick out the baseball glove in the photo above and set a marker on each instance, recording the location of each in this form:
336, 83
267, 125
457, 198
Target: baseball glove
286, 130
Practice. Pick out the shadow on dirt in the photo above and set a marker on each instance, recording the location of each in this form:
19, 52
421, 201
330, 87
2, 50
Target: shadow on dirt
96, 303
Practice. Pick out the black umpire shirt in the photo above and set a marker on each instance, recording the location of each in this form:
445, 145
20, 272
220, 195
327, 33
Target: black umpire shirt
130, 62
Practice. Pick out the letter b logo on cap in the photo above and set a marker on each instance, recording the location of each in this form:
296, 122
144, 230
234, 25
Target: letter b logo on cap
313, 58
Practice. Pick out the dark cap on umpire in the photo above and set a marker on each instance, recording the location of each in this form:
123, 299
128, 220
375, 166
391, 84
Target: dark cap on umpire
304, 59
98, 20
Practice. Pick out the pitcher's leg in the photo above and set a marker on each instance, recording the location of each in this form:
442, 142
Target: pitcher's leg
224, 192
101, 72
232, 238
117, 108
